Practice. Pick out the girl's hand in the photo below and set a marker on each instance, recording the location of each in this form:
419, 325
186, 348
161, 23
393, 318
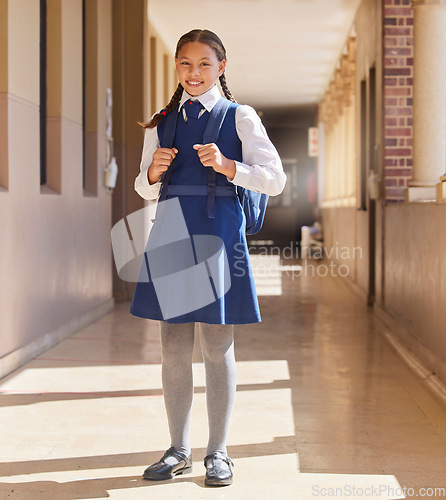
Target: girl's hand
161, 160
211, 156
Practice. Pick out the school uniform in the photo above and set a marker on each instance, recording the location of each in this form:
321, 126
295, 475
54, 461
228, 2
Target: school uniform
243, 139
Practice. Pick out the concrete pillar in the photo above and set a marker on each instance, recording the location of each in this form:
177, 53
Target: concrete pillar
429, 99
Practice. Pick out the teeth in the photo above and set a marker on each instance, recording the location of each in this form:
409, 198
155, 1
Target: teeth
194, 83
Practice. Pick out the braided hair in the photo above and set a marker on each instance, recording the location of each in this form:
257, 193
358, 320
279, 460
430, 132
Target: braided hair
197, 35
225, 89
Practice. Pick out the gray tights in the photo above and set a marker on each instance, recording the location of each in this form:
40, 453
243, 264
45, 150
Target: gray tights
217, 345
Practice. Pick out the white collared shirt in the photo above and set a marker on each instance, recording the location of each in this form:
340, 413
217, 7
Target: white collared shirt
260, 169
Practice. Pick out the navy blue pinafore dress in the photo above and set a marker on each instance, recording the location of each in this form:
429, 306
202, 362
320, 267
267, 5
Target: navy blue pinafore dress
159, 294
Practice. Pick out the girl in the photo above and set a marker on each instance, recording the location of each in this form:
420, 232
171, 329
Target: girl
242, 155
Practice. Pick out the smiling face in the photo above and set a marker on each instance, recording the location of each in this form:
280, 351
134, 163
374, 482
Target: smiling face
198, 67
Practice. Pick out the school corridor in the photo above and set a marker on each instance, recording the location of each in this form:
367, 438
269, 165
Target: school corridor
341, 389
323, 402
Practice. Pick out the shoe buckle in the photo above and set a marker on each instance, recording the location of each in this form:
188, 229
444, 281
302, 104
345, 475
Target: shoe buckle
220, 456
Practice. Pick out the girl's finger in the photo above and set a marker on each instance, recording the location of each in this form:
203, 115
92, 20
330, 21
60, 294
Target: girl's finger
166, 156
167, 153
165, 161
206, 150
205, 147
206, 157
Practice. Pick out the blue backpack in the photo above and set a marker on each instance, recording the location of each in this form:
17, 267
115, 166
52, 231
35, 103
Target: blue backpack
253, 203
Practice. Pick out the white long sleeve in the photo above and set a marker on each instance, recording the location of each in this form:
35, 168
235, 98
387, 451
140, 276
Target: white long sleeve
142, 186
260, 169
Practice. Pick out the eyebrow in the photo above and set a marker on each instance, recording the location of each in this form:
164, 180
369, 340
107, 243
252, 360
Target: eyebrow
202, 59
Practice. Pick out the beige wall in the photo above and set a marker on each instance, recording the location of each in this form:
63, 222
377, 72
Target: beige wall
415, 288
23, 49
4, 45
164, 83
55, 256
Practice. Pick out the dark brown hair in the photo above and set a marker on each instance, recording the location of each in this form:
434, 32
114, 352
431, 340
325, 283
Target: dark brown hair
203, 36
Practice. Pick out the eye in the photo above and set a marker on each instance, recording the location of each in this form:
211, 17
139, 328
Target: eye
205, 64
185, 63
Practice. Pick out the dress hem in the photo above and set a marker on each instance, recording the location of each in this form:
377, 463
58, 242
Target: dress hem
198, 320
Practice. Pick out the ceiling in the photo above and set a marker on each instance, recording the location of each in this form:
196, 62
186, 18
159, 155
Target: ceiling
280, 52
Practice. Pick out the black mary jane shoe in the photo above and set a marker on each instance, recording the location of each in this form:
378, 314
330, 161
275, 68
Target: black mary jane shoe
160, 471
216, 475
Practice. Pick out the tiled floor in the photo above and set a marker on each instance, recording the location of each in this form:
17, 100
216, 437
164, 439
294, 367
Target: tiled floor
323, 402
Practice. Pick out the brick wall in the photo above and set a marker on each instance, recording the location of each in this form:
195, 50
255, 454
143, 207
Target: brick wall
398, 77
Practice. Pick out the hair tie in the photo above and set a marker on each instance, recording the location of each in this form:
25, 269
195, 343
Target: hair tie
163, 113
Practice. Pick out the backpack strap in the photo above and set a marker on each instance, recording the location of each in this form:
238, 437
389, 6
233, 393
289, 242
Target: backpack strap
213, 126
166, 141
211, 133
170, 126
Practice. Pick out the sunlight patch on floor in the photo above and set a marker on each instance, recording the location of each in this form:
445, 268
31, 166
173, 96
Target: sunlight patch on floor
268, 273
322, 485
